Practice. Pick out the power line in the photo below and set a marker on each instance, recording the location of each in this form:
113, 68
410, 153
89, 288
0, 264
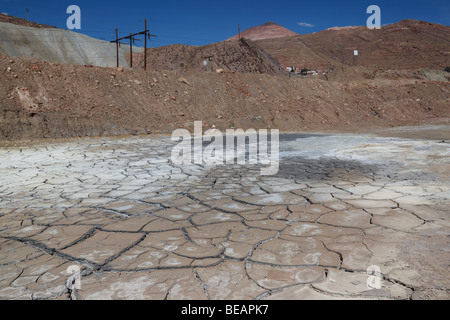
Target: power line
145, 33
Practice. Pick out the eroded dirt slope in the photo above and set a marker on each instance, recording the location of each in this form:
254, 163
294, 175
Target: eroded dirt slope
239, 56
43, 100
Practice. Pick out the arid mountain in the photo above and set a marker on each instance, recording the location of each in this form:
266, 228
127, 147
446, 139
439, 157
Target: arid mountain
408, 44
268, 30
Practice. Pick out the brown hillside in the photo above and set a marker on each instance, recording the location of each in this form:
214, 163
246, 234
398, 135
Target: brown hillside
44, 100
238, 56
408, 44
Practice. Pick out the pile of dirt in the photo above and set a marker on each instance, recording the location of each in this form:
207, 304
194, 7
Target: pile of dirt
238, 56
45, 100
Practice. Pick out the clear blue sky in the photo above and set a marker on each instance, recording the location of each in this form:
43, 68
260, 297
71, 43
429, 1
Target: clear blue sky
199, 22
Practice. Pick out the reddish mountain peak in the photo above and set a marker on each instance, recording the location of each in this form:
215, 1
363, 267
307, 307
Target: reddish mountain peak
269, 23
268, 30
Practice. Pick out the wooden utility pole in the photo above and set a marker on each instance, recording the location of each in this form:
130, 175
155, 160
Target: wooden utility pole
147, 36
145, 46
117, 46
146, 33
131, 50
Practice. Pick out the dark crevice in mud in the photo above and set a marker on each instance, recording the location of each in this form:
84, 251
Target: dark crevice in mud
53, 251
395, 281
84, 237
202, 283
280, 265
216, 256
341, 259
166, 297
112, 258
163, 268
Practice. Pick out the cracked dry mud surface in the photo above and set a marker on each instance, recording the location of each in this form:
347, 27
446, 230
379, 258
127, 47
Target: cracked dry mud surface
140, 227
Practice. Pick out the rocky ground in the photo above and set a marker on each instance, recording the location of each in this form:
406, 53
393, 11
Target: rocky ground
43, 100
139, 227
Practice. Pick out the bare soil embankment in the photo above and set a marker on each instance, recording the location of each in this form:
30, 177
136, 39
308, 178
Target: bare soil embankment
40, 100
238, 56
